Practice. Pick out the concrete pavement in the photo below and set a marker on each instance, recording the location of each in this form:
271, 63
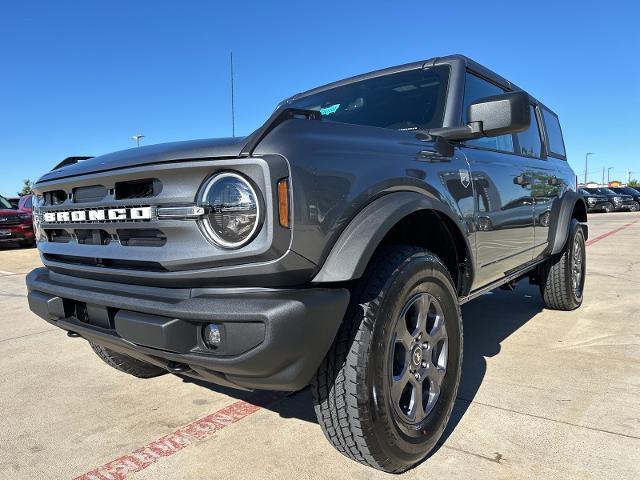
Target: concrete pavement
544, 394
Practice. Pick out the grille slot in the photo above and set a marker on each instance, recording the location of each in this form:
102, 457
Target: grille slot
106, 262
55, 197
137, 189
92, 193
93, 237
58, 235
142, 237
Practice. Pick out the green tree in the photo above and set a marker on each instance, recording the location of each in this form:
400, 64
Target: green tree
26, 187
634, 183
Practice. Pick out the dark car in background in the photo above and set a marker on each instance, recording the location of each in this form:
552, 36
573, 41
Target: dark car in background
14, 201
619, 201
16, 225
635, 194
596, 202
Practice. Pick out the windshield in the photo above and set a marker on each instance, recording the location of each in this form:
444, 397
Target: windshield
411, 100
4, 203
607, 191
584, 192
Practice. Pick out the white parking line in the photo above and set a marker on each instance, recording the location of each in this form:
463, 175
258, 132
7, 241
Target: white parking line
3, 272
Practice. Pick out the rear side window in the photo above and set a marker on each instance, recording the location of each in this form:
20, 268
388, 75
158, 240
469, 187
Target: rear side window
476, 88
529, 142
554, 134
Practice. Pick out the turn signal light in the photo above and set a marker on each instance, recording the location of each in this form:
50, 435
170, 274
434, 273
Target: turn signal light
283, 202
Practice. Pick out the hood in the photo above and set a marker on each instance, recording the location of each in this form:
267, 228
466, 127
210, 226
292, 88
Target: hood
162, 152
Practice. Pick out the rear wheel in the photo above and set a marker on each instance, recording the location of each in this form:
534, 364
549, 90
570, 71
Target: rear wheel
385, 391
607, 208
562, 277
127, 364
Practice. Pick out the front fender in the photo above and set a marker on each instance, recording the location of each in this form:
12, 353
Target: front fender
357, 243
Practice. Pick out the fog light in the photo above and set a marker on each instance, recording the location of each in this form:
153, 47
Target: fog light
212, 335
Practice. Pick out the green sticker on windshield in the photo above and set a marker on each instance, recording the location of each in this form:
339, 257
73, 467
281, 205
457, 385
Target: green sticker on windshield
330, 109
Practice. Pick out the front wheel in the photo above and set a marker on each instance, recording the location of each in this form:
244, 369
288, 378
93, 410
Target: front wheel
608, 208
384, 393
562, 276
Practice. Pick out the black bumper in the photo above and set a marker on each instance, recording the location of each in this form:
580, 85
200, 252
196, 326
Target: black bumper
271, 339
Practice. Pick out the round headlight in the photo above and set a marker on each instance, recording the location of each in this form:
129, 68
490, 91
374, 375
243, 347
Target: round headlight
232, 208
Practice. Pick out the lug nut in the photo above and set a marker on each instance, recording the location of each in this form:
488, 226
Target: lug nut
424, 364
417, 375
425, 345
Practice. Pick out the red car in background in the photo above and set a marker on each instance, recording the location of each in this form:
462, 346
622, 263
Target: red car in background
16, 225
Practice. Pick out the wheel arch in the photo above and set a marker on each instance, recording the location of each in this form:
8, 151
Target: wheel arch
570, 206
408, 218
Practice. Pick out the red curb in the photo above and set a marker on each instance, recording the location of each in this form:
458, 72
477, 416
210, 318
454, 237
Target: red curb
190, 434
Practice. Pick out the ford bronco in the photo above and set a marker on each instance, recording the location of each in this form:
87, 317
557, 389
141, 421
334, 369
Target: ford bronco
333, 247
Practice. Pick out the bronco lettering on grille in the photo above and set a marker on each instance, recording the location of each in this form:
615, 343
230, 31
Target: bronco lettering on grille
98, 215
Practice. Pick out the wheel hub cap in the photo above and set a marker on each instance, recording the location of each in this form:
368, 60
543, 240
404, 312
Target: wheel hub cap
418, 357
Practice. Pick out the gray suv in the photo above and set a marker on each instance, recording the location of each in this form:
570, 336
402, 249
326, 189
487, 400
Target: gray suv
333, 246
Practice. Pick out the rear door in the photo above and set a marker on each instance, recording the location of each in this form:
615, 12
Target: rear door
546, 186
504, 203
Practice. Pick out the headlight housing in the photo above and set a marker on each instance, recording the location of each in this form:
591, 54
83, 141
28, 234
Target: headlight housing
233, 210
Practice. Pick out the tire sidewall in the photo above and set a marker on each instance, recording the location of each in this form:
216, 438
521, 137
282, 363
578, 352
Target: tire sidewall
409, 444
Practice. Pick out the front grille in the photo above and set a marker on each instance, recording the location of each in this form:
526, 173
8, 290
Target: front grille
110, 221
10, 220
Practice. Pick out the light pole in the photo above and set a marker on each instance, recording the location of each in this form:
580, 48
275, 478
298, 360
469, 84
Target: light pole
586, 167
137, 139
608, 178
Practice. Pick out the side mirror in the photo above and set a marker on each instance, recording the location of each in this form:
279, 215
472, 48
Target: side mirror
490, 117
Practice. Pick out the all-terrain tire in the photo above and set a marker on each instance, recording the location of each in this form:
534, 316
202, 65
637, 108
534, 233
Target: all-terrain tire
351, 389
127, 364
557, 286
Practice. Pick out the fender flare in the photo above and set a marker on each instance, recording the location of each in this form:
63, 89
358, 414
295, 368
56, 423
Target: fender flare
356, 245
560, 225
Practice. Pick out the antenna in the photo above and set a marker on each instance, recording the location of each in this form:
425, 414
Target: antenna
233, 112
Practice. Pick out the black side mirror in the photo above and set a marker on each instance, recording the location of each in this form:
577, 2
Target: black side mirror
492, 116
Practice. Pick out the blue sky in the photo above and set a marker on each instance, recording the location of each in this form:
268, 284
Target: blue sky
82, 77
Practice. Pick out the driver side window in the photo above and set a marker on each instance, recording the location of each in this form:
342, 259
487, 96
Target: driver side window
476, 88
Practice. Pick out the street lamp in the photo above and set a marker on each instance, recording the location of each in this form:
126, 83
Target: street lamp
586, 167
608, 178
137, 139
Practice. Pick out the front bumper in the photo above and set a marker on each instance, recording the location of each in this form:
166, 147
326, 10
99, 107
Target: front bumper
271, 338
598, 206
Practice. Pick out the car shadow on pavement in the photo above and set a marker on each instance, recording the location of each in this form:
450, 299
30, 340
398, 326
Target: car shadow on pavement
488, 320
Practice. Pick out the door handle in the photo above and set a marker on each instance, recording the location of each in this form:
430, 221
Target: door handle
522, 180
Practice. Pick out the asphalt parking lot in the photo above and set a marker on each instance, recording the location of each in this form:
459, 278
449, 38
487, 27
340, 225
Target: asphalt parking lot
544, 394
